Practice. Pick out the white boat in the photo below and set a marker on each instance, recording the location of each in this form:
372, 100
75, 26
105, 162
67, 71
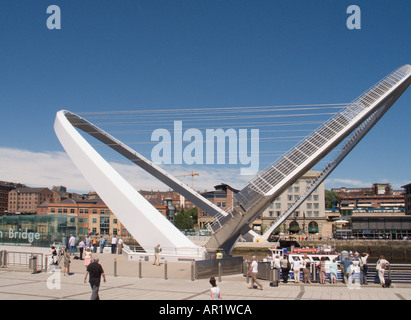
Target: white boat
314, 255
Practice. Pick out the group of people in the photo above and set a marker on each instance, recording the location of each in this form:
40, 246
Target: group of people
94, 270
354, 267
58, 255
91, 245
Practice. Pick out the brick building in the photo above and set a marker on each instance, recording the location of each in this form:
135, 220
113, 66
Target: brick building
26, 200
222, 197
5, 188
379, 199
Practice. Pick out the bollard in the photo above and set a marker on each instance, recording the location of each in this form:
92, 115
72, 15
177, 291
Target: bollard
115, 267
219, 271
139, 269
314, 272
247, 274
33, 263
165, 270
5, 255
192, 270
1, 258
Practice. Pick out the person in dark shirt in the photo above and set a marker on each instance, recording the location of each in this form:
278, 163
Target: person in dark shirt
95, 271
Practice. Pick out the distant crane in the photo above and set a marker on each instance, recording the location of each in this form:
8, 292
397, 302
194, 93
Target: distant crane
192, 174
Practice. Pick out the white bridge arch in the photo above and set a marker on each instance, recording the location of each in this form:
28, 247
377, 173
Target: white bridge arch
144, 222
149, 227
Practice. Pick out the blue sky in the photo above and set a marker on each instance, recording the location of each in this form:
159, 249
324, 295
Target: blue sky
150, 55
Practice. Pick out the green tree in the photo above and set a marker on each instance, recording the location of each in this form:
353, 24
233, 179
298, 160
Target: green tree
331, 198
186, 219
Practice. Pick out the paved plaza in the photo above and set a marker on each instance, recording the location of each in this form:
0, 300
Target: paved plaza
21, 284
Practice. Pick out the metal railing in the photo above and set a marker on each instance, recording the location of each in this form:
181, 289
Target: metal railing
396, 272
22, 259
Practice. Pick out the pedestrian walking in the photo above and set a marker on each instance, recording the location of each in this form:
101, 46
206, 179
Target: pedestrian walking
113, 244
157, 251
87, 257
382, 264
215, 292
66, 259
254, 274
54, 256
95, 271
285, 268
364, 268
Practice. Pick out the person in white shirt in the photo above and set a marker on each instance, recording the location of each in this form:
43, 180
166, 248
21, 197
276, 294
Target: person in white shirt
382, 263
113, 244
296, 267
254, 269
72, 244
120, 246
276, 262
215, 292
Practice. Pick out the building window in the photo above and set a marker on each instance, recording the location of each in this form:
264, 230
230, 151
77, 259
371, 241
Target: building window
105, 225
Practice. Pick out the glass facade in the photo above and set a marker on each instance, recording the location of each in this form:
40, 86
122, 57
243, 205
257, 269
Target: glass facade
37, 230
